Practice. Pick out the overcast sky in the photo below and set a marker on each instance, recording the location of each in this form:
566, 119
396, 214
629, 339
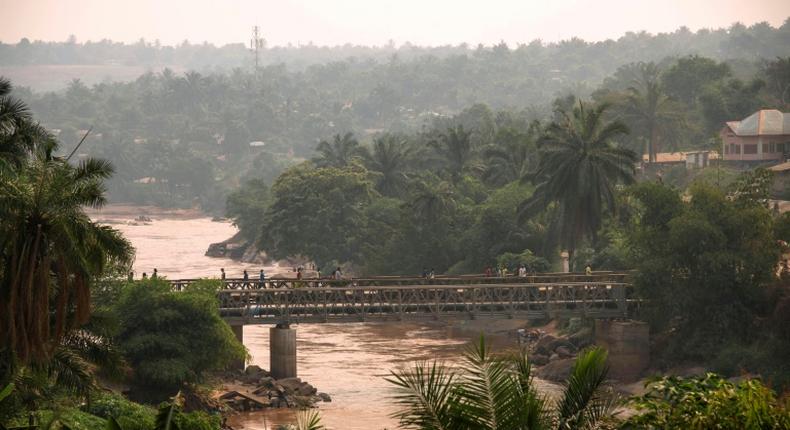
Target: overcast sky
371, 22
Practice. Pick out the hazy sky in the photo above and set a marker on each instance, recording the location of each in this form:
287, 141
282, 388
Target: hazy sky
371, 22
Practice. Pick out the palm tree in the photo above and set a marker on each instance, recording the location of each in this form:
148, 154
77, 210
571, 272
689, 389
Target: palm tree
578, 170
340, 152
491, 392
51, 250
430, 202
658, 118
509, 158
456, 150
390, 157
18, 131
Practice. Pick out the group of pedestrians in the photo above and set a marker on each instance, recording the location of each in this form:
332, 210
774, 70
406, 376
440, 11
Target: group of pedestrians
154, 275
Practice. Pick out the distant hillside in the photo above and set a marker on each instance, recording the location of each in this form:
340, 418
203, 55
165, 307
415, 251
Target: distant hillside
31, 63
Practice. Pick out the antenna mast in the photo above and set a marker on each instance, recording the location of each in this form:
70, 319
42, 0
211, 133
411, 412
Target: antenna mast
256, 43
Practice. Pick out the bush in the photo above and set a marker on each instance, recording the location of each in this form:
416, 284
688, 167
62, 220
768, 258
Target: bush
533, 263
708, 402
130, 415
171, 338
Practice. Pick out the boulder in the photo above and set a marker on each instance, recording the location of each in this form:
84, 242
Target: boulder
556, 371
324, 397
539, 359
558, 342
554, 357
563, 352
290, 385
582, 338
306, 389
541, 346
266, 381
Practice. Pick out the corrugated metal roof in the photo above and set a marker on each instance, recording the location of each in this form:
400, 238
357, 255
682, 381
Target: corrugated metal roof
761, 123
780, 167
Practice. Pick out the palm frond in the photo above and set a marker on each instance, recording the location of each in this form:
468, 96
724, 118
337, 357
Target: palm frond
584, 403
424, 395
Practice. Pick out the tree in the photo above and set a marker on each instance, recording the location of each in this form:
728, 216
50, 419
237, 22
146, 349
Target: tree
50, 249
171, 338
578, 170
686, 79
777, 74
496, 392
316, 213
707, 402
339, 153
390, 157
653, 115
456, 151
246, 207
702, 266
510, 157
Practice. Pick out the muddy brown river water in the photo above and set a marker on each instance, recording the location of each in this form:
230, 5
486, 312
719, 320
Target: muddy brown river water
348, 361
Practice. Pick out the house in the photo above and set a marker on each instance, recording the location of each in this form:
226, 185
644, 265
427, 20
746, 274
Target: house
691, 159
762, 137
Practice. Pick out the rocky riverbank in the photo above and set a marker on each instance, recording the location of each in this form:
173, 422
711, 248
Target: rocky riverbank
552, 352
255, 389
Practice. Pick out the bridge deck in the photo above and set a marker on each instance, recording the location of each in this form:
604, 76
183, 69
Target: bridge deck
304, 302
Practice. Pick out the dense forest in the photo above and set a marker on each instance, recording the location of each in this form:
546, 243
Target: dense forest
247, 124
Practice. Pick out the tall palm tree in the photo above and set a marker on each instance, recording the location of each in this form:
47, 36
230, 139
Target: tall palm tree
390, 157
51, 250
19, 133
658, 118
491, 392
339, 152
510, 157
456, 151
430, 202
578, 170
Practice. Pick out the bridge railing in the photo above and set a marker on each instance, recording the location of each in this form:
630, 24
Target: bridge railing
279, 283
416, 302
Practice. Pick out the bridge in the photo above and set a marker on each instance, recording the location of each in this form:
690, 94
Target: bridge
285, 301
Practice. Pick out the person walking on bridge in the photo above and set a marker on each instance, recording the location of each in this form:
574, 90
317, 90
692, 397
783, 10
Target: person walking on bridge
246, 278
338, 275
155, 275
222, 274
262, 280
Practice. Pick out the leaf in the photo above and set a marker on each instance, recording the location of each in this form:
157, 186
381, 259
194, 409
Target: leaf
6, 391
112, 424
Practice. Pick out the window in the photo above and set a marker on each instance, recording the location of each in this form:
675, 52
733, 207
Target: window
766, 148
737, 148
772, 148
726, 149
750, 148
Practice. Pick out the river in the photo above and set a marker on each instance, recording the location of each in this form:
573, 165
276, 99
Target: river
347, 361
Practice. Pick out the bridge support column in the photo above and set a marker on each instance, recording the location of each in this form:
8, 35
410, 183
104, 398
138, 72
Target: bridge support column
282, 351
628, 344
238, 331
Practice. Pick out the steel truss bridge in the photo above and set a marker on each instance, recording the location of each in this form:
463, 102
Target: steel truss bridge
278, 301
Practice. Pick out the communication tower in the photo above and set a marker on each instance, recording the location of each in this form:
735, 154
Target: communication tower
256, 43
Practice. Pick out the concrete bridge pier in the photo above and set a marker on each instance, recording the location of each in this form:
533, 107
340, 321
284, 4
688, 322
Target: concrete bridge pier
238, 331
282, 351
628, 343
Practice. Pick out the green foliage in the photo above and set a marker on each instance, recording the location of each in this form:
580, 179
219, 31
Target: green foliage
701, 264
245, 206
579, 168
495, 392
317, 213
708, 402
171, 338
527, 258
129, 415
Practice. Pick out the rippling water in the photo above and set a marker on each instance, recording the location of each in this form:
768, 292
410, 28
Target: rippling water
347, 361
